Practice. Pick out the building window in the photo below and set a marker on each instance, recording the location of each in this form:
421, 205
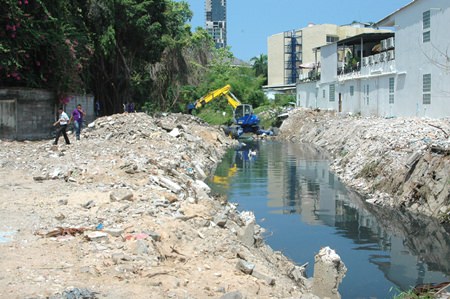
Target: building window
332, 39
391, 90
426, 89
426, 20
426, 36
352, 90
332, 92
323, 94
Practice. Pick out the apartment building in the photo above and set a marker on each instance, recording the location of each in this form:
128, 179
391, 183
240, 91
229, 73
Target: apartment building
216, 21
403, 73
288, 51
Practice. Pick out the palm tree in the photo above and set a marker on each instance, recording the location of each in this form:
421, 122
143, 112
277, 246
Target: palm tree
260, 66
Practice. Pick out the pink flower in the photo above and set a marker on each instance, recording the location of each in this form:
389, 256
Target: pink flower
26, 2
19, 2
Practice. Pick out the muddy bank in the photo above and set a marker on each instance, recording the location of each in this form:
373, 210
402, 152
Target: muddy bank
398, 162
124, 213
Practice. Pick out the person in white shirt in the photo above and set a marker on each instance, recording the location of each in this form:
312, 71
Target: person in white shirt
63, 121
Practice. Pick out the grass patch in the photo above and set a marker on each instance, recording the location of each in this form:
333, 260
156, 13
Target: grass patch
370, 170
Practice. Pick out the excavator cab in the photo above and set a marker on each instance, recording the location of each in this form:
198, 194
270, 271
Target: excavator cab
244, 117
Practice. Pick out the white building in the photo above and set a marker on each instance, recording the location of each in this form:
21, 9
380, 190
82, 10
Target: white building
289, 52
405, 73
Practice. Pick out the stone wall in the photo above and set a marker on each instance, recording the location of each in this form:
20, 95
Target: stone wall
29, 114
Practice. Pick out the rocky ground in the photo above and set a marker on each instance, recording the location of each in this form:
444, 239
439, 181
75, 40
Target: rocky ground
399, 162
124, 213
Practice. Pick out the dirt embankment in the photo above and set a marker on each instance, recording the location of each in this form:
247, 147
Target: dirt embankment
399, 162
124, 213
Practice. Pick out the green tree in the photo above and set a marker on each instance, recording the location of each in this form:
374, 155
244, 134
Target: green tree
260, 66
43, 44
245, 85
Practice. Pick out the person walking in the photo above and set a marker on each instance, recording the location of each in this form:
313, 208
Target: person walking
63, 121
97, 108
77, 117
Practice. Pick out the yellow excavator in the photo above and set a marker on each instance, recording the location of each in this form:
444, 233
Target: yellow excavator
244, 119
224, 91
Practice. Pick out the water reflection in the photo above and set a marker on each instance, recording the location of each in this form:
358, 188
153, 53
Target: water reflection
306, 207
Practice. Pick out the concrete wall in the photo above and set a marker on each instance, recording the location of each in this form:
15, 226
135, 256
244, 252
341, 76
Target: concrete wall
350, 102
86, 101
26, 113
29, 114
307, 95
275, 59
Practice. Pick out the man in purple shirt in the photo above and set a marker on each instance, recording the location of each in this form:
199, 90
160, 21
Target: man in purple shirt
77, 117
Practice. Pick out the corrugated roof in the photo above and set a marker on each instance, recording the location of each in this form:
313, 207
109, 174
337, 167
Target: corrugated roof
366, 37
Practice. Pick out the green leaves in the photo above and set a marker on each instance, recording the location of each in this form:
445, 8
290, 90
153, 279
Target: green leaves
107, 41
44, 44
260, 66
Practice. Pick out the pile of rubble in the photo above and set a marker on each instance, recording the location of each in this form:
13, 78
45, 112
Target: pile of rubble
399, 162
125, 213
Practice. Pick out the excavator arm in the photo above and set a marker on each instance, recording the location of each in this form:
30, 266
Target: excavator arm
243, 117
224, 91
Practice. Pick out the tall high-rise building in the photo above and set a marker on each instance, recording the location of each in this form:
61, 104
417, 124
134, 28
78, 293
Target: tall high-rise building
216, 21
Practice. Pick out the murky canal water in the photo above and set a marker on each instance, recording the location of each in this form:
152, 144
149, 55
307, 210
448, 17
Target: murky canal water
303, 206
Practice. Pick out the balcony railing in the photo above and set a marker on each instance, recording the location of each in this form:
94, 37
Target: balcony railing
312, 75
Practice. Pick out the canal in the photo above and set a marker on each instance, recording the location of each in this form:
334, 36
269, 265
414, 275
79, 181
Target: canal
303, 206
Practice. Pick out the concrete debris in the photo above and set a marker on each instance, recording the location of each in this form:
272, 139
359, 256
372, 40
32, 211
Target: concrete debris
245, 266
329, 271
75, 293
121, 195
126, 213
402, 163
232, 295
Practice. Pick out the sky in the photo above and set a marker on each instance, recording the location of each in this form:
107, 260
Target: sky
251, 22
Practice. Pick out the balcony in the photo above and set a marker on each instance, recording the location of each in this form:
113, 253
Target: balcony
366, 55
310, 76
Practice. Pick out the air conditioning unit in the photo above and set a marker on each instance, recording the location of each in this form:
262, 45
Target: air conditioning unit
384, 45
390, 43
370, 58
382, 56
390, 55
376, 58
